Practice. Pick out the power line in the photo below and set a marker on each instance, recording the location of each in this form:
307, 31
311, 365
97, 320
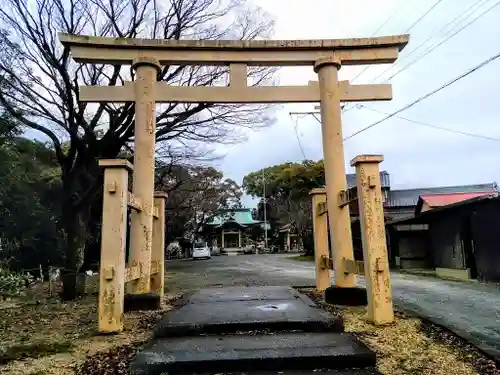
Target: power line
433, 35
374, 33
431, 125
297, 135
463, 75
422, 16
406, 31
436, 46
386, 21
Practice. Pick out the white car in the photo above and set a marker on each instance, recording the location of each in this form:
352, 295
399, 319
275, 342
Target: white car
201, 251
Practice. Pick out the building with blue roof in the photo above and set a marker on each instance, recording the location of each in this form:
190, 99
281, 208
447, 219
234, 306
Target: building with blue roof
232, 228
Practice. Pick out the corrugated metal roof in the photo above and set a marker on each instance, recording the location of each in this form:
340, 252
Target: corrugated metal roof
423, 217
385, 180
438, 200
409, 197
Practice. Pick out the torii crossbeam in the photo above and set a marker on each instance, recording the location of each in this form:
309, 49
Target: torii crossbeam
237, 93
147, 57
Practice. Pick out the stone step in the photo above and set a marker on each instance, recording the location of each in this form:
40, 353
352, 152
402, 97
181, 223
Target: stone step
353, 371
240, 309
276, 352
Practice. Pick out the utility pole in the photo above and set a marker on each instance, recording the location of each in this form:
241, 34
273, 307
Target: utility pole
265, 209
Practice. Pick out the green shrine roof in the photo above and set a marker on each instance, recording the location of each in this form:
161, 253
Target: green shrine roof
242, 216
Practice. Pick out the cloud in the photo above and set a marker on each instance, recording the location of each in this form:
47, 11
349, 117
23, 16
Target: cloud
415, 155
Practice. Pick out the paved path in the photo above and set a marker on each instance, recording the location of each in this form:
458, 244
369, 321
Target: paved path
472, 310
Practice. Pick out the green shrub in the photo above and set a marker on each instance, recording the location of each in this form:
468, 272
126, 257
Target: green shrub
12, 283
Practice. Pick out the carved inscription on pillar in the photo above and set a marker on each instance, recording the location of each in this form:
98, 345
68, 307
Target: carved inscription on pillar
380, 308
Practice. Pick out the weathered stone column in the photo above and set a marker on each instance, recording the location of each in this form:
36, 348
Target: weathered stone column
158, 250
371, 212
333, 151
320, 228
113, 238
141, 231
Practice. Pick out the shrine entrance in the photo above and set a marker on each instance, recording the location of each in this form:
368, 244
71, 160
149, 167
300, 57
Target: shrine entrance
145, 271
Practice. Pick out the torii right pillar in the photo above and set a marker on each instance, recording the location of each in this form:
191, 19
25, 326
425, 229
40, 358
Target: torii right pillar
335, 174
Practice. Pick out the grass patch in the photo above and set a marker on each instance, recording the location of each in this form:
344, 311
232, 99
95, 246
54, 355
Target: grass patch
303, 258
34, 350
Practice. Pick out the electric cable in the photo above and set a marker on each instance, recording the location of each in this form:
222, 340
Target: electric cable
404, 108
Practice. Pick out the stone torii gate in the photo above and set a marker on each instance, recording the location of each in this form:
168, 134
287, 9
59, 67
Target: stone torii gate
147, 57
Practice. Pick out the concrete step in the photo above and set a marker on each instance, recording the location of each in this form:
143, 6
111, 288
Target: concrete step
237, 309
276, 352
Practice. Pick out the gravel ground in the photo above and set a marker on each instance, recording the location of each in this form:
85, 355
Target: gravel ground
469, 309
422, 349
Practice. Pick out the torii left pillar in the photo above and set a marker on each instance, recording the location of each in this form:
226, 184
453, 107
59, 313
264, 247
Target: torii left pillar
141, 231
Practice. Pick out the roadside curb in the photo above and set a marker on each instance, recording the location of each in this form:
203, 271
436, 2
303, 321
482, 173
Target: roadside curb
434, 276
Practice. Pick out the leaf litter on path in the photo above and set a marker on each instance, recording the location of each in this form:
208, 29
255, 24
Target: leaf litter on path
52, 337
412, 346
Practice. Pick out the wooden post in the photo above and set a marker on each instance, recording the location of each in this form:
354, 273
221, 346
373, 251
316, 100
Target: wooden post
51, 291
158, 251
378, 283
113, 237
335, 176
141, 229
320, 227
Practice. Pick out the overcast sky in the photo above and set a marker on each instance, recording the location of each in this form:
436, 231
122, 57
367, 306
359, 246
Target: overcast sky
415, 155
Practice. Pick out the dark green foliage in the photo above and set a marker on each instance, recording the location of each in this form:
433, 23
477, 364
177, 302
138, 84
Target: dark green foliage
287, 194
29, 201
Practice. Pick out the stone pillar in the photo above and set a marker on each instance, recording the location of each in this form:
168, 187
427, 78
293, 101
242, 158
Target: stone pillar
141, 231
335, 174
371, 212
113, 238
158, 250
239, 239
222, 245
320, 228
288, 240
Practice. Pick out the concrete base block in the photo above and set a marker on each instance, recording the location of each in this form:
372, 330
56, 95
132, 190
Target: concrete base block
147, 301
454, 274
346, 296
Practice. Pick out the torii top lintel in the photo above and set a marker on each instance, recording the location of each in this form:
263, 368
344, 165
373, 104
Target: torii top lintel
355, 51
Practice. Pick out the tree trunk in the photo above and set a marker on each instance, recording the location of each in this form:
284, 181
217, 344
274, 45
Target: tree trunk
79, 210
308, 243
308, 251
76, 233
92, 253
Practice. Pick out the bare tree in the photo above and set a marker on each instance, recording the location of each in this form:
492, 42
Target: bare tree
42, 85
195, 194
